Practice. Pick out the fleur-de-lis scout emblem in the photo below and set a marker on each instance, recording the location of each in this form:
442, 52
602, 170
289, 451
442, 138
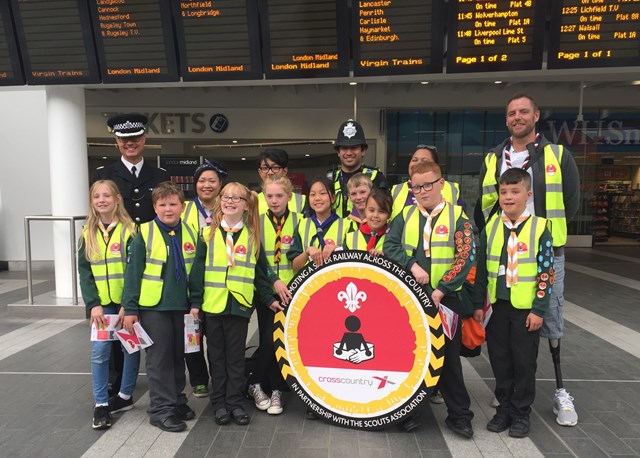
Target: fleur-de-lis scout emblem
352, 297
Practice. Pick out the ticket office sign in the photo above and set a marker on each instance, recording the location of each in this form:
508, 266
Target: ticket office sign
360, 343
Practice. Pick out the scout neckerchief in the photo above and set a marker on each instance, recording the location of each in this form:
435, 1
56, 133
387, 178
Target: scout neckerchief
278, 223
512, 247
373, 235
203, 211
229, 240
507, 153
426, 232
107, 230
411, 199
175, 246
321, 228
355, 216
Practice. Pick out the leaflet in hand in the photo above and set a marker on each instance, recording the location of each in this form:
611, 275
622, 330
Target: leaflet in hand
449, 320
108, 332
191, 334
134, 342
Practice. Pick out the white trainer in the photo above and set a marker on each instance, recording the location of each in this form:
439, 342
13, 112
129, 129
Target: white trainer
276, 403
563, 408
261, 399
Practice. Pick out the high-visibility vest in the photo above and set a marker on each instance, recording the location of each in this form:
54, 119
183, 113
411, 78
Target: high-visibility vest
355, 241
191, 215
524, 291
400, 192
220, 279
152, 281
554, 202
295, 205
341, 207
442, 242
108, 270
335, 234
284, 269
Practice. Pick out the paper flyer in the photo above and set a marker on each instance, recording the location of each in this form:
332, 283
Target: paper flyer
191, 334
134, 342
488, 310
143, 337
108, 332
449, 320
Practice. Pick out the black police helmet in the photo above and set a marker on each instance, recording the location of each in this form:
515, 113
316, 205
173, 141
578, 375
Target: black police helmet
350, 133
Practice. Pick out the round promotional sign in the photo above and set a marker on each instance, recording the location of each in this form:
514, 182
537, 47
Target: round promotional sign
360, 343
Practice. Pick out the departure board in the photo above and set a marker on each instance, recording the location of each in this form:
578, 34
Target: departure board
218, 40
495, 35
396, 37
10, 70
134, 39
594, 33
55, 41
303, 39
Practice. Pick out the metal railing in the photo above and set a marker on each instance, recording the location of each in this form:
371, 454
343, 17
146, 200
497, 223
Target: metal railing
72, 238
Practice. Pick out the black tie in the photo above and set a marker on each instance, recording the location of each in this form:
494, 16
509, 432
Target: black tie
133, 171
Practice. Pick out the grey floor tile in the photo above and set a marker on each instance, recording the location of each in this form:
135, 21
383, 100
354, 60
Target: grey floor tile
633, 444
373, 440
606, 440
584, 447
305, 452
618, 426
316, 434
226, 443
403, 445
285, 444
253, 452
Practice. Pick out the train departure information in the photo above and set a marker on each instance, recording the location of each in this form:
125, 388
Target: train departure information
495, 35
55, 41
305, 38
134, 40
397, 37
218, 39
9, 61
594, 33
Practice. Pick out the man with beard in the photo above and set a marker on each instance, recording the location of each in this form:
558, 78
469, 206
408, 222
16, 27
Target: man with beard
556, 196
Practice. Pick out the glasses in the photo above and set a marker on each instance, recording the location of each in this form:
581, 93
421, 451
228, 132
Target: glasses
429, 147
424, 187
273, 168
234, 199
129, 139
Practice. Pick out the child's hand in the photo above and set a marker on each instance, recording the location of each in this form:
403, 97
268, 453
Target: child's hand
275, 307
195, 313
282, 291
97, 317
120, 316
436, 297
315, 255
374, 252
478, 315
421, 275
534, 322
128, 323
327, 250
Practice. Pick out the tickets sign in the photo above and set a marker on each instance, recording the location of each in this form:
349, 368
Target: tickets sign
360, 343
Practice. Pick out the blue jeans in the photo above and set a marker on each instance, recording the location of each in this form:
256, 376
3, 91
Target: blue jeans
100, 354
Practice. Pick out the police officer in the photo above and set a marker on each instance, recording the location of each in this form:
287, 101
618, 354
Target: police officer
351, 146
135, 178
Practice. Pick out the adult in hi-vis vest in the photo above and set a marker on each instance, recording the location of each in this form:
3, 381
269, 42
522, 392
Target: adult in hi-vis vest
401, 192
351, 145
274, 163
556, 197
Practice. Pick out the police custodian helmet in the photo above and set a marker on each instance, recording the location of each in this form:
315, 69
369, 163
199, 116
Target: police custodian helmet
350, 133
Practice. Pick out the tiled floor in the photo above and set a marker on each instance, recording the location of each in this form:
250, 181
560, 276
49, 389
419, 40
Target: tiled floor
46, 407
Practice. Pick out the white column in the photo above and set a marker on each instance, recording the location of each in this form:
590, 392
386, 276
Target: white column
69, 176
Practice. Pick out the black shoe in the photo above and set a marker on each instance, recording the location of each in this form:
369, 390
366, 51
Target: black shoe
410, 423
101, 418
117, 404
171, 424
500, 422
310, 415
519, 427
240, 417
222, 417
461, 426
185, 413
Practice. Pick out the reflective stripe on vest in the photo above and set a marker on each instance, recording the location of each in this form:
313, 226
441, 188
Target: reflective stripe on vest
400, 193
108, 271
355, 241
524, 291
220, 279
152, 281
307, 229
340, 211
554, 201
284, 269
191, 216
295, 205
442, 249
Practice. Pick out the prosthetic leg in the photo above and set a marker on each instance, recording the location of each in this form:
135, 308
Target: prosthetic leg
554, 348
562, 401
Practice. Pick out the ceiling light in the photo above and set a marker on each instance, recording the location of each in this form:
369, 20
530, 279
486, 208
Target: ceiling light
353, 83
636, 83
424, 82
104, 157
497, 82
307, 155
234, 141
244, 158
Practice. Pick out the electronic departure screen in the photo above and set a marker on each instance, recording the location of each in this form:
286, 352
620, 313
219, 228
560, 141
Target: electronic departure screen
55, 41
396, 37
305, 38
594, 33
218, 40
10, 71
134, 40
495, 35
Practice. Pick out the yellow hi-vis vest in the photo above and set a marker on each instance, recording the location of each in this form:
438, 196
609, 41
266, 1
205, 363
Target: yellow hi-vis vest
152, 281
108, 271
336, 233
355, 241
399, 193
524, 291
373, 173
220, 279
443, 248
284, 269
295, 205
191, 216
554, 202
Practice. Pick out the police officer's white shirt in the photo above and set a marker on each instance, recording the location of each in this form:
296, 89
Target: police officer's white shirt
129, 165
517, 159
